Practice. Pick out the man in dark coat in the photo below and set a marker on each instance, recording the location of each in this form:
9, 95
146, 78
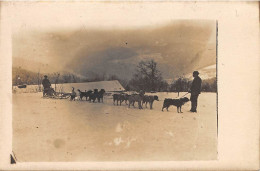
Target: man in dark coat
195, 91
46, 85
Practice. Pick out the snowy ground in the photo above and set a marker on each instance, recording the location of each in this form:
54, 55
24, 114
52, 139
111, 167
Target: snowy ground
63, 130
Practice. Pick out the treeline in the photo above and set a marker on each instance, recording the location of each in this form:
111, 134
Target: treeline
147, 78
183, 85
33, 78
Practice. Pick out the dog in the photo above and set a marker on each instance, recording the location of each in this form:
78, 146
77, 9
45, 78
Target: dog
93, 95
84, 94
150, 100
116, 98
175, 102
136, 98
125, 98
120, 97
100, 95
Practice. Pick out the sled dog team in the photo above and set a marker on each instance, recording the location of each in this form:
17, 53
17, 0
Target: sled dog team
142, 99
90, 95
129, 100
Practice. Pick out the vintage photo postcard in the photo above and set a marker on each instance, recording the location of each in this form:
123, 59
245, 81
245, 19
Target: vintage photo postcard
116, 94
117, 82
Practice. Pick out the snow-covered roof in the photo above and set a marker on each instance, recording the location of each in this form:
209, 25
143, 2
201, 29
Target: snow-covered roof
107, 85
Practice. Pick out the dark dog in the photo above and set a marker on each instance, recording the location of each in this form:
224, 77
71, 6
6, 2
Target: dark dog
125, 98
116, 98
150, 100
84, 94
93, 96
175, 102
100, 95
120, 97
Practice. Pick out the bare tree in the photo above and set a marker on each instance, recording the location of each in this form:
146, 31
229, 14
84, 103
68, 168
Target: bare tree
147, 77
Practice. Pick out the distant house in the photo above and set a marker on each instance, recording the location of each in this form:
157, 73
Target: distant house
109, 86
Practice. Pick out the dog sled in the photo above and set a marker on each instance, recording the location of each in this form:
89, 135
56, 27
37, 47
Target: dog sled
50, 93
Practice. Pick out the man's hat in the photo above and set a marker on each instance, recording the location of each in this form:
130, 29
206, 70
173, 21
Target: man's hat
45, 76
196, 72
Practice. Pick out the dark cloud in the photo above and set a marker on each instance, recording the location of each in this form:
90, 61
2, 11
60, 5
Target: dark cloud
178, 47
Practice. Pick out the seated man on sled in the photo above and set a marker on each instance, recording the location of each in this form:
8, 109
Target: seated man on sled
47, 90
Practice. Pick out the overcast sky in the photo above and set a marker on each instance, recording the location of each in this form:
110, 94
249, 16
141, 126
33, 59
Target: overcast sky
88, 39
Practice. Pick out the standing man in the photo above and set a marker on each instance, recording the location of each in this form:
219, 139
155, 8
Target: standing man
46, 85
73, 94
195, 91
19, 80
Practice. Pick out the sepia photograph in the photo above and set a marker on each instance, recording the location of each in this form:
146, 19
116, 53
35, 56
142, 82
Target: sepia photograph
145, 92
129, 85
